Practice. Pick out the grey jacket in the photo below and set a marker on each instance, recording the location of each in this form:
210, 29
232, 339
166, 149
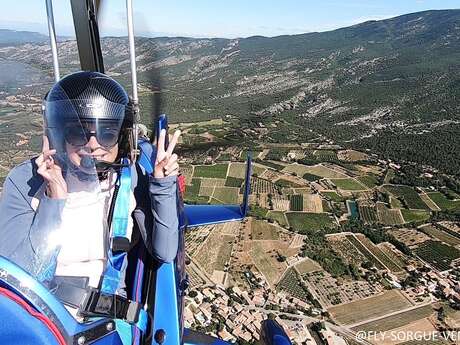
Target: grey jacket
22, 224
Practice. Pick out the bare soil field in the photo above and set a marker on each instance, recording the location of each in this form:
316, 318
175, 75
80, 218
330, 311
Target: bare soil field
270, 175
263, 231
266, 262
319, 170
307, 266
226, 195
231, 228
187, 172
297, 241
312, 203
409, 237
212, 182
237, 170
372, 307
407, 318
351, 156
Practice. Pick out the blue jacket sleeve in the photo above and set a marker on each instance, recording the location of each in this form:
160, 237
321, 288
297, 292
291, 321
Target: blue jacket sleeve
23, 230
165, 236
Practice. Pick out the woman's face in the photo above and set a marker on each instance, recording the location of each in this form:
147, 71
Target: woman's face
78, 145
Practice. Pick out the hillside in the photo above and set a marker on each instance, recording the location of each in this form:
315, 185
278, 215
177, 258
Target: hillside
391, 86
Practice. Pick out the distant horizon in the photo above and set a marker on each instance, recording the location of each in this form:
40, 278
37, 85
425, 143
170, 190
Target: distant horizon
166, 35
207, 19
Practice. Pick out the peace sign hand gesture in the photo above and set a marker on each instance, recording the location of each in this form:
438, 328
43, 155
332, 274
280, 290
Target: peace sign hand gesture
166, 161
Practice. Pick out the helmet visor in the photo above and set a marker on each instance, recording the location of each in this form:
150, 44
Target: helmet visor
76, 120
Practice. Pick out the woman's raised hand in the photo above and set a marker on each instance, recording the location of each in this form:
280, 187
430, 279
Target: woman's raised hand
166, 161
56, 187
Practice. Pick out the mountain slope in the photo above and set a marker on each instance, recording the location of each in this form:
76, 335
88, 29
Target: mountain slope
371, 85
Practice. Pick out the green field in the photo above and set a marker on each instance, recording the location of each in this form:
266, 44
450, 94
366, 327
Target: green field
227, 195
444, 203
296, 202
438, 254
368, 180
411, 216
348, 184
211, 171
409, 195
277, 216
304, 222
233, 182
192, 193
311, 177
333, 196
441, 235
288, 184
255, 211
326, 155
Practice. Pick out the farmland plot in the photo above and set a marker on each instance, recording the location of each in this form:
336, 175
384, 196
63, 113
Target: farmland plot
441, 235
278, 217
318, 170
227, 195
383, 258
388, 216
259, 186
408, 194
332, 292
212, 171
292, 284
262, 230
415, 215
410, 237
397, 320
348, 184
368, 214
437, 254
385, 303
267, 264
305, 222
369, 256
312, 203
307, 266
445, 204
296, 202
342, 246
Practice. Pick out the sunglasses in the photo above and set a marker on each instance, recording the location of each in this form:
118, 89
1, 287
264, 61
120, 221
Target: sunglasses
106, 136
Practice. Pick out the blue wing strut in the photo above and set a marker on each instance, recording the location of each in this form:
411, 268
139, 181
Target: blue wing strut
198, 215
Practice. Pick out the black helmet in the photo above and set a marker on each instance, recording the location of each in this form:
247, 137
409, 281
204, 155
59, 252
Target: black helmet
85, 100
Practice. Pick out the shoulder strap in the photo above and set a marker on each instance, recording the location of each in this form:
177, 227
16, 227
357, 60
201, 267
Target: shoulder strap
119, 241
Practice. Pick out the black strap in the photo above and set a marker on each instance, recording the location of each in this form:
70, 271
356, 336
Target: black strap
97, 303
72, 291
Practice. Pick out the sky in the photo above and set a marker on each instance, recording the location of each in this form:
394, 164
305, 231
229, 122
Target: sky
217, 18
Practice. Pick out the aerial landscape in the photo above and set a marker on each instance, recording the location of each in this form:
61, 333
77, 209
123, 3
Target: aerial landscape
354, 220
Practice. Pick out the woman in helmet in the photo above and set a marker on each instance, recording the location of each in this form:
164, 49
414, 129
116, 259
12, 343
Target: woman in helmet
65, 198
